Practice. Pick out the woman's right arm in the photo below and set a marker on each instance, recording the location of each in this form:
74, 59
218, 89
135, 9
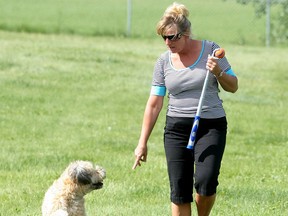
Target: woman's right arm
152, 110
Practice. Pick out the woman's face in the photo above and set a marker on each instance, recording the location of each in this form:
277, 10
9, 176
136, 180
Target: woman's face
174, 40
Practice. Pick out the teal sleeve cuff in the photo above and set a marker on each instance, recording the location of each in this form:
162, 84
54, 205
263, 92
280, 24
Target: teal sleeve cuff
158, 90
230, 72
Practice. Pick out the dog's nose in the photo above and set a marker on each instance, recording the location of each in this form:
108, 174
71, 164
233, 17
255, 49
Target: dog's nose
97, 185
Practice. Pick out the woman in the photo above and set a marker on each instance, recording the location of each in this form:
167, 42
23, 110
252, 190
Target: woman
181, 71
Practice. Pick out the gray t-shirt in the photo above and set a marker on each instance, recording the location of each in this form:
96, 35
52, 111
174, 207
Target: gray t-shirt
185, 85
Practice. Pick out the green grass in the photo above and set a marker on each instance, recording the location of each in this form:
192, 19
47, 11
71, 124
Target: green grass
66, 98
218, 20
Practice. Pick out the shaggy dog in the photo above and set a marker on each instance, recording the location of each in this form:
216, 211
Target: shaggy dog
66, 196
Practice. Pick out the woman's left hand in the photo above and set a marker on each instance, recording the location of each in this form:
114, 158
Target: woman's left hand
213, 66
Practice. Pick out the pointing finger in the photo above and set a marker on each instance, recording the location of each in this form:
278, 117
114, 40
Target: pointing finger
136, 163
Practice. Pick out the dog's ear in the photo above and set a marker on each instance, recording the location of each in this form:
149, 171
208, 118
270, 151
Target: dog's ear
80, 174
83, 177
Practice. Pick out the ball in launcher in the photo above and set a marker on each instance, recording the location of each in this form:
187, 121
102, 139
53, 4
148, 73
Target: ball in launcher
220, 53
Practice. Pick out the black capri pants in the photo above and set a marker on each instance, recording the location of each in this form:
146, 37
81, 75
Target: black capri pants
206, 156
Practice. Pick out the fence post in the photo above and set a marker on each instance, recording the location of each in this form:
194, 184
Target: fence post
129, 17
268, 5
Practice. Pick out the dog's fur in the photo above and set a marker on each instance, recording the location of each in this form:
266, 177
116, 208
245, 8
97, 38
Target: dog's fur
66, 196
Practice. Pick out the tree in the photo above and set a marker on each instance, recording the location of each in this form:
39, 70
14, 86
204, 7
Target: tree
279, 24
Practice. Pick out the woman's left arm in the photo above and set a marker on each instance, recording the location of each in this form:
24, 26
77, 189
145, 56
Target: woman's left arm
228, 82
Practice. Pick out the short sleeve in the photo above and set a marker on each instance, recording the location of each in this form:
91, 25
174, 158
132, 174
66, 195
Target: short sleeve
223, 62
158, 82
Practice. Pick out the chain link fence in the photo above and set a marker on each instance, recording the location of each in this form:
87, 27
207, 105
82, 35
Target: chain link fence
228, 21
225, 21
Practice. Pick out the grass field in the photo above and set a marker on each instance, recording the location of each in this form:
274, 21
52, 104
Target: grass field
65, 98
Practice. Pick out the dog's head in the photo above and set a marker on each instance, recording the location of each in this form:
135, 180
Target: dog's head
87, 176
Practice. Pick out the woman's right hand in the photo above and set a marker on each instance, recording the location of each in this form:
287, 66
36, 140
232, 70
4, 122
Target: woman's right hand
140, 153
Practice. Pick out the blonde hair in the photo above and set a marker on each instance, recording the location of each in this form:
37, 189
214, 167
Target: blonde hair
176, 14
